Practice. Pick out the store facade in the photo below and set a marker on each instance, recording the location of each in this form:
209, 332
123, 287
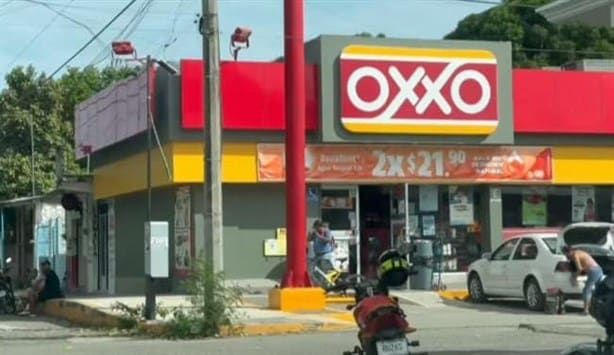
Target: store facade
425, 139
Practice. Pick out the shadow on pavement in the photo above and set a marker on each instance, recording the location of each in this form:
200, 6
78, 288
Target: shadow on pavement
505, 305
493, 352
4, 319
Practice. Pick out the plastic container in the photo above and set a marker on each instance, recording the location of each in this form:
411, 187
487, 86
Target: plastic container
422, 260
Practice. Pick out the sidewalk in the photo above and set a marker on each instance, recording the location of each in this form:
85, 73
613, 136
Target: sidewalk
96, 312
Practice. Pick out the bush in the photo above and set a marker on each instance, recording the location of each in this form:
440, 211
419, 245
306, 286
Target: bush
213, 307
131, 317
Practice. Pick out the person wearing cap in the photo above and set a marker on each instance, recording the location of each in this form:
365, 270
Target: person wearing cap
46, 287
584, 264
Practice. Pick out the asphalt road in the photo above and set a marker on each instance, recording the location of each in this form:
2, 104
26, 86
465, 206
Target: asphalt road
493, 328
464, 341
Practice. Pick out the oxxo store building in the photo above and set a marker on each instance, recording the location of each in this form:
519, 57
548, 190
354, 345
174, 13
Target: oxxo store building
434, 139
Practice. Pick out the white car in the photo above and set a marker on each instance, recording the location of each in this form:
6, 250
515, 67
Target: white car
525, 266
595, 238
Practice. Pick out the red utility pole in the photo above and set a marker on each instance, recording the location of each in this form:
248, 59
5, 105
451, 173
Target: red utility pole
296, 216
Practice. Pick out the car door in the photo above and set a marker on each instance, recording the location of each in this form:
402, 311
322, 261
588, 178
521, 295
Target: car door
521, 264
495, 275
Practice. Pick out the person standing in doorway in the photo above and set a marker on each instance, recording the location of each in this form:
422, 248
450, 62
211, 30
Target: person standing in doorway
323, 246
584, 264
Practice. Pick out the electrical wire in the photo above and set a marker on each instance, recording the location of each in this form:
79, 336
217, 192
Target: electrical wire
27, 46
175, 17
172, 38
80, 50
69, 18
126, 31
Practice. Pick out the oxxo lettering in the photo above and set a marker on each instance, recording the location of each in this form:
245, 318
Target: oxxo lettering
407, 90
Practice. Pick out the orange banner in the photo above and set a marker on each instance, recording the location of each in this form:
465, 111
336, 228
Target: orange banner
362, 163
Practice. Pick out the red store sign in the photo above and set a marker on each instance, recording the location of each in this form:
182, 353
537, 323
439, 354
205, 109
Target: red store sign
393, 90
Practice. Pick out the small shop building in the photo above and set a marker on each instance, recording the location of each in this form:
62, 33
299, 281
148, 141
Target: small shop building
437, 140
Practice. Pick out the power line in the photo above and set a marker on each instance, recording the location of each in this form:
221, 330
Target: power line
27, 46
127, 30
93, 38
61, 13
171, 37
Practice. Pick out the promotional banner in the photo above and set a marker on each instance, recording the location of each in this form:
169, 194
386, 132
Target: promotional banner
333, 163
534, 207
461, 206
183, 244
583, 204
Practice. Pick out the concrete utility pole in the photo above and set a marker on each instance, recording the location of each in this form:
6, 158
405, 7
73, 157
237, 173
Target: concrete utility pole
212, 137
150, 293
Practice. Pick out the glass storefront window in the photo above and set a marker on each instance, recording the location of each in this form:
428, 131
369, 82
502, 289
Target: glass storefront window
555, 206
450, 216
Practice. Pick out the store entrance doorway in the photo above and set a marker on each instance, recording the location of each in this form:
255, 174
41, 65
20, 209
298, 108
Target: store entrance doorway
383, 221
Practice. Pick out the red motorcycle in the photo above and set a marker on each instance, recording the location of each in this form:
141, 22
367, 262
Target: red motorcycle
383, 328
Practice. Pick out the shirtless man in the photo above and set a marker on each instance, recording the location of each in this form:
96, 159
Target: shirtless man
585, 264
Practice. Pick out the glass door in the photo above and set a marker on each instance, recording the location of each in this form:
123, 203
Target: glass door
398, 215
339, 207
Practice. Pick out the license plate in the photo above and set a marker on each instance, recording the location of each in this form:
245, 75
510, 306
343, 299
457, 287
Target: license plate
392, 347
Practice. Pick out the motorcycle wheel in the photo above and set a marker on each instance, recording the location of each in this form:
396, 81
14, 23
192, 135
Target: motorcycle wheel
10, 304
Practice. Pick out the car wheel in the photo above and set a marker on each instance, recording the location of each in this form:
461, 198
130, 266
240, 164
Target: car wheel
476, 291
534, 296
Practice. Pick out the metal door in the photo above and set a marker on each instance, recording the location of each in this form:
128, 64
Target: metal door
103, 247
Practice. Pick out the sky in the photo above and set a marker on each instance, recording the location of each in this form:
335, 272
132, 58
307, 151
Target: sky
45, 33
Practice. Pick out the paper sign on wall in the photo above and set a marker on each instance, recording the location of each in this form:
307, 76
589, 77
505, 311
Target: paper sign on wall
275, 247
583, 204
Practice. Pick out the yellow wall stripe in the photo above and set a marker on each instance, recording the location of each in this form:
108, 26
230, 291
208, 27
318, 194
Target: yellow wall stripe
583, 165
130, 174
239, 164
571, 165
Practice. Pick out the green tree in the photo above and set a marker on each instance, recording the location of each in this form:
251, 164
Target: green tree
32, 102
536, 42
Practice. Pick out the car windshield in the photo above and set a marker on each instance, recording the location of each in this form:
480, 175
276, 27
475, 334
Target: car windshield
551, 244
586, 235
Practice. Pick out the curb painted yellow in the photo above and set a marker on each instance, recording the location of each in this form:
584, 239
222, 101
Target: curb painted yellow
454, 295
343, 316
87, 316
297, 299
157, 329
80, 314
340, 299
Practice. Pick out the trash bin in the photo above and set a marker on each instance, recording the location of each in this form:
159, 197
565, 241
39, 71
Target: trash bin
422, 259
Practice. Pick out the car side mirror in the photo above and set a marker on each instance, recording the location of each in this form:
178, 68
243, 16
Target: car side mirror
486, 256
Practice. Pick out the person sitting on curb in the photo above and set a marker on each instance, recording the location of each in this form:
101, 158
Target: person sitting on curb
45, 287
